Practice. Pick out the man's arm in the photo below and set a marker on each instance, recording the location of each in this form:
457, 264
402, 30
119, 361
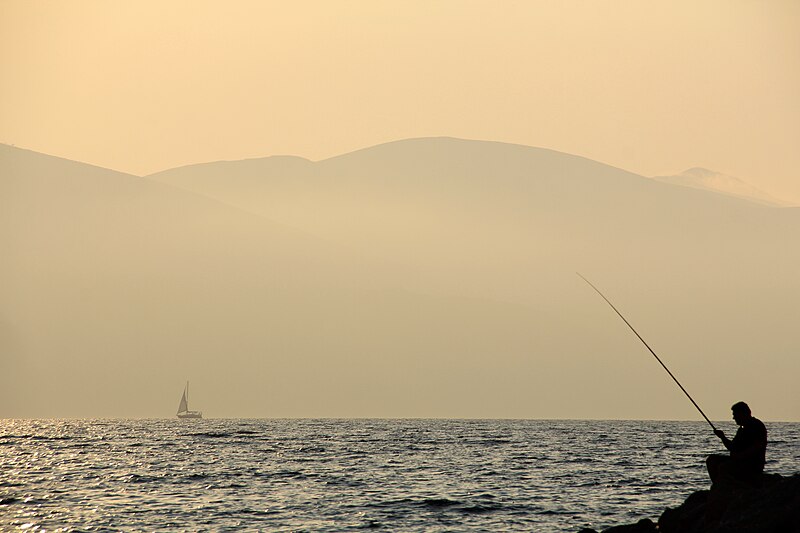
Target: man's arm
749, 443
725, 440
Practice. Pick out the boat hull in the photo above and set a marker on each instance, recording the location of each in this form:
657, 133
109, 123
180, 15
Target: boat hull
191, 414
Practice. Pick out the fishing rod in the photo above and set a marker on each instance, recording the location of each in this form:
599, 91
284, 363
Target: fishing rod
649, 348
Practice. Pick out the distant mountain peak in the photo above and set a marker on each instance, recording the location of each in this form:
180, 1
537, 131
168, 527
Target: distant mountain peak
710, 180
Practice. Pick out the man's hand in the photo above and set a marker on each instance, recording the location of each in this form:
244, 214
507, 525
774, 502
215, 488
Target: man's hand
719, 433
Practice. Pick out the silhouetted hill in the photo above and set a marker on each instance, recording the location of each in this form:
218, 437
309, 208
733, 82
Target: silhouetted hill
428, 277
441, 202
111, 281
116, 288
708, 275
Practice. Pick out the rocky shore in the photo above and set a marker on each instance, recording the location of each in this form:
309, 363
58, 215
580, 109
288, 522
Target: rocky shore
773, 506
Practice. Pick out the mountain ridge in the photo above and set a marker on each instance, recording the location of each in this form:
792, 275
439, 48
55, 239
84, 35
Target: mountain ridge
445, 287
405, 155
695, 177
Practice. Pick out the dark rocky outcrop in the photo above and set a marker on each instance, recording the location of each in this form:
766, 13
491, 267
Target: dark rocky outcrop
773, 506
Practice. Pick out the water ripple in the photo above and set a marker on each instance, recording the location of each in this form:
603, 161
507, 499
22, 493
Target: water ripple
340, 475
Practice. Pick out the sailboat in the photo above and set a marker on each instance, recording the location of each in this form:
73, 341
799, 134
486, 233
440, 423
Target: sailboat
183, 407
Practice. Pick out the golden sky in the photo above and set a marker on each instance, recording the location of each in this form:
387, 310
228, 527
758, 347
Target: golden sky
652, 87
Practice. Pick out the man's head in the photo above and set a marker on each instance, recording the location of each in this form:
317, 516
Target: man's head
741, 412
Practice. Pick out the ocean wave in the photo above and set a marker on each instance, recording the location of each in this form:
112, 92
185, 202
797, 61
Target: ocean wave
442, 504
212, 434
286, 475
140, 478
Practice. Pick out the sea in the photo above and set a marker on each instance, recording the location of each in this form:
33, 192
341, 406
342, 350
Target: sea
410, 475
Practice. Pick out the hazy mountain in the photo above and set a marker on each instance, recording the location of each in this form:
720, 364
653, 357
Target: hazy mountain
462, 209
709, 275
113, 285
111, 281
428, 277
701, 178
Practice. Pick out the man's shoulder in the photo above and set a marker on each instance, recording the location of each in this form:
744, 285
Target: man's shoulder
755, 423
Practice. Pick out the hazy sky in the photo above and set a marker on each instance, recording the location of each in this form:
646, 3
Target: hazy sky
652, 87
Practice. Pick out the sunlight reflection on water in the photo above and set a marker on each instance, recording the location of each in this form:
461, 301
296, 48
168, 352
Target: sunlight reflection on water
334, 475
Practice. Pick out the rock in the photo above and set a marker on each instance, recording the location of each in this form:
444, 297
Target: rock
773, 506
692, 511
642, 526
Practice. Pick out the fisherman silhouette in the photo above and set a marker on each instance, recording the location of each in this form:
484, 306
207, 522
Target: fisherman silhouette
748, 450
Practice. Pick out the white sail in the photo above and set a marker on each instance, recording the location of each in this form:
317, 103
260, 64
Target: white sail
184, 405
